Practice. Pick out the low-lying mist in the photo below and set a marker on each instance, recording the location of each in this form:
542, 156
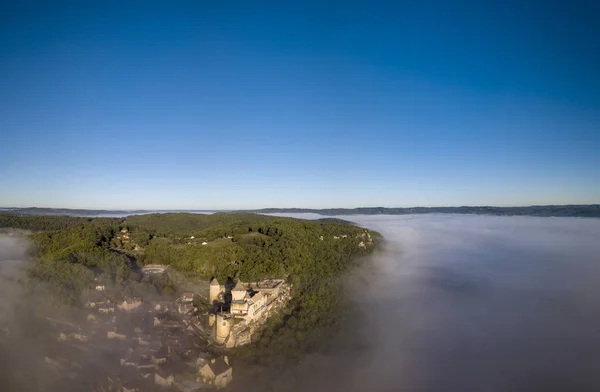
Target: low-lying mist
19, 354
449, 303
25, 341
470, 303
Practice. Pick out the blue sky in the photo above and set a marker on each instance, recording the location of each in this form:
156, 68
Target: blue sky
304, 104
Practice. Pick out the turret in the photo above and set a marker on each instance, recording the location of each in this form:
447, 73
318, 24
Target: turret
223, 327
215, 290
239, 291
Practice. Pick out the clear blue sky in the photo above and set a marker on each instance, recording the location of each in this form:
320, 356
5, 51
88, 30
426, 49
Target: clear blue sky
231, 104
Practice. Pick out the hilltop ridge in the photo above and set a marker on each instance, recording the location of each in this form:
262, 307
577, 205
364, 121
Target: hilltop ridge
583, 210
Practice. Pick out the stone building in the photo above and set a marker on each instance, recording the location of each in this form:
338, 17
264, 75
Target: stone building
163, 377
222, 327
244, 308
187, 297
247, 303
217, 372
130, 304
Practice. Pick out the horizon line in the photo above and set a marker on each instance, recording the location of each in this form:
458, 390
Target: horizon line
293, 208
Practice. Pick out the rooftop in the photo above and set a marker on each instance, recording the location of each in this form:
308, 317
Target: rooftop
239, 286
218, 366
267, 284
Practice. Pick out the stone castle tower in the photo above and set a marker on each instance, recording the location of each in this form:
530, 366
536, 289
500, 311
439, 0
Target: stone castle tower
215, 290
238, 293
223, 327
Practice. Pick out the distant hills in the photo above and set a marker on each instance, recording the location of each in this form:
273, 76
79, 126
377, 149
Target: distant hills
66, 211
588, 210
35, 211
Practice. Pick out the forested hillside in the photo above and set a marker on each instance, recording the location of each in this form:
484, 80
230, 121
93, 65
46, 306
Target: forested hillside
74, 253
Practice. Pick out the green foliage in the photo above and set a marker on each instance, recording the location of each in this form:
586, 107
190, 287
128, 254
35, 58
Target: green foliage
311, 255
63, 280
188, 224
44, 223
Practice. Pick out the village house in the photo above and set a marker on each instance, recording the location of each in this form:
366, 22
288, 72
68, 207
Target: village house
162, 306
145, 364
72, 336
107, 309
168, 325
163, 377
130, 304
217, 372
185, 308
79, 336
138, 357
115, 335
173, 345
187, 297
146, 374
160, 357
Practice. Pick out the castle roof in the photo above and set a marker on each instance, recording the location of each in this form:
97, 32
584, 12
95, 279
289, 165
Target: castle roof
257, 297
239, 286
214, 282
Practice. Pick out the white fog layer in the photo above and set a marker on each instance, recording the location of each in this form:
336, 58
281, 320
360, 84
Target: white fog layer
473, 303
449, 303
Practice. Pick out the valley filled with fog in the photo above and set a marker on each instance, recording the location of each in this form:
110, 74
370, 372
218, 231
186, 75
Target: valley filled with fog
449, 303
468, 302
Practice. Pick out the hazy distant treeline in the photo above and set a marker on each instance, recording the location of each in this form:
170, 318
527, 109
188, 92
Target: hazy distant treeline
591, 210
582, 210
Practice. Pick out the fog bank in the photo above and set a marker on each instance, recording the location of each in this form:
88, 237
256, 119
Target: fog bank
449, 303
471, 303
19, 351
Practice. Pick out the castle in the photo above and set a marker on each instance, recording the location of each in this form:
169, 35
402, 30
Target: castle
242, 305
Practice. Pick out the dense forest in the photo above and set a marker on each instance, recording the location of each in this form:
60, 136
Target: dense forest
72, 253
